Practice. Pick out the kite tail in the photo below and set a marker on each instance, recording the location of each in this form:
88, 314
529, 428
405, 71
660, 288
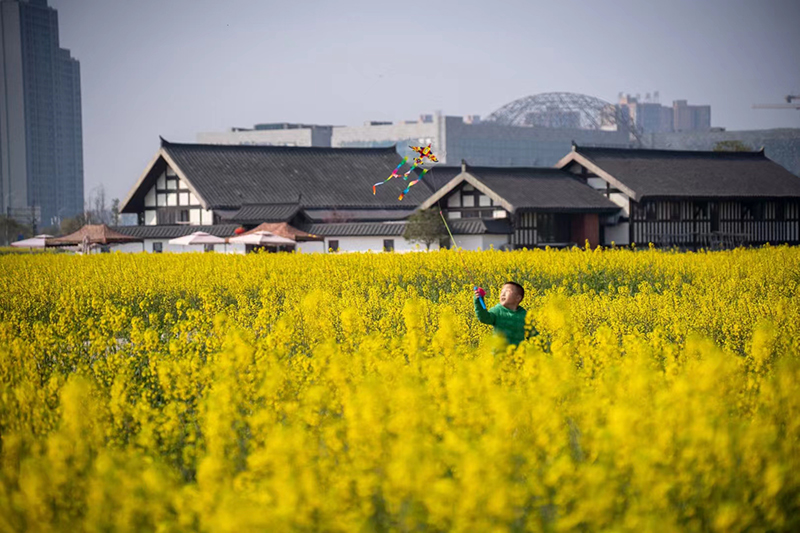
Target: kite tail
394, 174
403, 194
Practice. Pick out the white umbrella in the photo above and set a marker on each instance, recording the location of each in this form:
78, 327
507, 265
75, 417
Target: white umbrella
38, 241
198, 237
260, 238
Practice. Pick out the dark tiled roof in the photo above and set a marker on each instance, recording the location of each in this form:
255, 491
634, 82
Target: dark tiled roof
375, 229
171, 232
477, 226
322, 215
542, 189
229, 176
257, 213
357, 229
674, 173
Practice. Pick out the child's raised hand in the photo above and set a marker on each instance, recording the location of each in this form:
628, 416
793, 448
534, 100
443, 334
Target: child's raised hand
479, 293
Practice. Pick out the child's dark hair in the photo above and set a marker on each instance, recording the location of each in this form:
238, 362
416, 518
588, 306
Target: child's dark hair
518, 288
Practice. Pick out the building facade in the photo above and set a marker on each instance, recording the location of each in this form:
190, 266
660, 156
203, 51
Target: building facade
41, 147
691, 199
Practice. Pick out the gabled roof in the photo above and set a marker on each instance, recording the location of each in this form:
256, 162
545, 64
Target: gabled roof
682, 173
96, 233
539, 189
257, 213
229, 176
282, 229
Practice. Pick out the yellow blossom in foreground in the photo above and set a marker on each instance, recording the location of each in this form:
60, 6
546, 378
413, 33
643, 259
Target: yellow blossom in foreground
338, 393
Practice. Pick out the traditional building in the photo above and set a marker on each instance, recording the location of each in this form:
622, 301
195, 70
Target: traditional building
691, 199
537, 206
218, 188
323, 199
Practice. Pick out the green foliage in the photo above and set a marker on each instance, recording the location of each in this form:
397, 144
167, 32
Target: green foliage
425, 227
10, 230
732, 146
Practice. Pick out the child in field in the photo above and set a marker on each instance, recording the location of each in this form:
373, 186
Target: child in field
507, 317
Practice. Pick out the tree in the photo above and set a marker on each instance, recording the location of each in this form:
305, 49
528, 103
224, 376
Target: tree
425, 227
71, 225
732, 146
11, 230
115, 211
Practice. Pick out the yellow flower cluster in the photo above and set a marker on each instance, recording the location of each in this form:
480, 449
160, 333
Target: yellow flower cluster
291, 392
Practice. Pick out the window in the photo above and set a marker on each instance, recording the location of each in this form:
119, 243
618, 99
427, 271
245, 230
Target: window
388, 245
754, 210
650, 212
158, 247
780, 211
674, 210
333, 245
553, 227
700, 210
208, 247
184, 216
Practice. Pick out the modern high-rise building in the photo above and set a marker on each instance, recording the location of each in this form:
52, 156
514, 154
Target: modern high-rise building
690, 117
41, 146
649, 116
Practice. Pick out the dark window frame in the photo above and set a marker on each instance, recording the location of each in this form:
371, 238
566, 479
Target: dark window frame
333, 245
388, 245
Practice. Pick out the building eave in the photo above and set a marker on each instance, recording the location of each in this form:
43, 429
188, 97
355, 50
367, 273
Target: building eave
577, 157
472, 180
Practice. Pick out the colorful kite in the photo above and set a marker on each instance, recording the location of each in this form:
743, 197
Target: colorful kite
424, 151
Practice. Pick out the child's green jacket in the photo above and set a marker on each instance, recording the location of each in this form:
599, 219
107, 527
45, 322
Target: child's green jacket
511, 324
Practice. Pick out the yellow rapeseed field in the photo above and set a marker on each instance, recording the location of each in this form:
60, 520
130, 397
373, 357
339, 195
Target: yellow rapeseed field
274, 392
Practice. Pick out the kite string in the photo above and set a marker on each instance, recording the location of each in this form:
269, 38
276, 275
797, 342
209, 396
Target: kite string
458, 250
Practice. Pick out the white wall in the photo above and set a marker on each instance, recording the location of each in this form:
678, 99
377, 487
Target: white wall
311, 247
619, 234
375, 244
482, 242
621, 200
136, 247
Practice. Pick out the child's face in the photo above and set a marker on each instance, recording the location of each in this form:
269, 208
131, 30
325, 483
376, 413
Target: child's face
509, 296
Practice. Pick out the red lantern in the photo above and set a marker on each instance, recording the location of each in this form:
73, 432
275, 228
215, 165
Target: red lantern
239, 230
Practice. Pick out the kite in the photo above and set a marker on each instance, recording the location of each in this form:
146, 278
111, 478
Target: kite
394, 174
424, 151
411, 184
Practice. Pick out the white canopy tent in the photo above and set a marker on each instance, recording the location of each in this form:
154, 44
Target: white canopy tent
39, 241
261, 238
197, 238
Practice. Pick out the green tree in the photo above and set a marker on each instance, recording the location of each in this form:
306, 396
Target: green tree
11, 230
732, 146
425, 227
71, 225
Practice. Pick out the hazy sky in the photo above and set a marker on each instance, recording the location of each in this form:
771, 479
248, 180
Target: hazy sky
179, 67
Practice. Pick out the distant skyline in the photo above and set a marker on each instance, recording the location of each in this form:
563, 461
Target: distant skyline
178, 67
